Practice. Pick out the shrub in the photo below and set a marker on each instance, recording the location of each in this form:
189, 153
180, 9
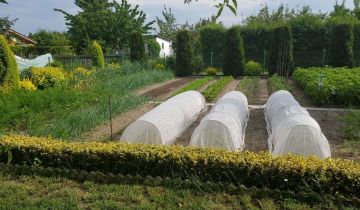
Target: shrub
234, 57
281, 59
46, 77
159, 66
27, 85
97, 55
341, 46
184, 54
261, 170
253, 68
170, 63
57, 64
210, 71
212, 40
278, 83
137, 47
9, 72
153, 47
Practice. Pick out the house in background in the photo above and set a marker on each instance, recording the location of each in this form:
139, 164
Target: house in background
166, 46
16, 38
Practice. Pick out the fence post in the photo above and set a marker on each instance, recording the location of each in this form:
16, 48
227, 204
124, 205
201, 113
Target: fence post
211, 59
323, 57
264, 62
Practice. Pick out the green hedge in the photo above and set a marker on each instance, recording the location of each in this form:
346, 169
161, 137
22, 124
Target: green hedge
9, 72
294, 173
137, 47
184, 54
97, 55
341, 46
212, 39
234, 56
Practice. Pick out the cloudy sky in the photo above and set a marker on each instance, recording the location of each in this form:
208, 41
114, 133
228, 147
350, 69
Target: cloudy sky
39, 14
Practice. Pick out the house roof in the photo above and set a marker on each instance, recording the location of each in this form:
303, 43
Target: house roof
21, 36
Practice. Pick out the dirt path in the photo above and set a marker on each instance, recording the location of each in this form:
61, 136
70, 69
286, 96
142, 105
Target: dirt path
256, 134
229, 87
160, 91
184, 139
263, 93
299, 95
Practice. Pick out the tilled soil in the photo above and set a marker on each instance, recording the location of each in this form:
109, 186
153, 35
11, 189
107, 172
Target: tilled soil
299, 95
228, 88
256, 134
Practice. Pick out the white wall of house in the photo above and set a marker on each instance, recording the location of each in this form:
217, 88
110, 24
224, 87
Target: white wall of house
166, 49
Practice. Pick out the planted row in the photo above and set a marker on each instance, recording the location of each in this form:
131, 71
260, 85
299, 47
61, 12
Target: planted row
214, 89
336, 86
291, 172
195, 85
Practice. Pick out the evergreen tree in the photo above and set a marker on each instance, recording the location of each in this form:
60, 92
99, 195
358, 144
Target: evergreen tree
234, 57
184, 54
137, 47
341, 46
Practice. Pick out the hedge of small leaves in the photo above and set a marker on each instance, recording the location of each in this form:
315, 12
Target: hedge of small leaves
294, 173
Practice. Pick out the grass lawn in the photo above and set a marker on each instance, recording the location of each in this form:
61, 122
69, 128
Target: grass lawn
66, 112
27, 192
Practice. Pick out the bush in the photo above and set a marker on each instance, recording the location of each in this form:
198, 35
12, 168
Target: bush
27, 85
281, 59
153, 47
210, 71
159, 66
57, 64
341, 46
278, 83
234, 58
97, 55
47, 77
170, 63
253, 68
9, 72
137, 47
184, 54
261, 170
212, 40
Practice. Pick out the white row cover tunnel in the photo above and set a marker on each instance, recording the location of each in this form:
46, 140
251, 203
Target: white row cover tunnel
291, 128
166, 122
224, 127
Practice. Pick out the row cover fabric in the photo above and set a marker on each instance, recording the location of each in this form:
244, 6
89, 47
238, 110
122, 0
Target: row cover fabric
40, 61
166, 122
224, 127
291, 128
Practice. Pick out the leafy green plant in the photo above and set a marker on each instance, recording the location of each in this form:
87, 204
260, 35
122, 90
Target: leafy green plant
234, 56
253, 68
46, 77
211, 71
341, 46
97, 55
137, 47
352, 125
9, 73
184, 54
278, 83
195, 85
214, 89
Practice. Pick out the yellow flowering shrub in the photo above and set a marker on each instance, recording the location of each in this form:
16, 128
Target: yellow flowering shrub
291, 172
27, 85
46, 77
159, 66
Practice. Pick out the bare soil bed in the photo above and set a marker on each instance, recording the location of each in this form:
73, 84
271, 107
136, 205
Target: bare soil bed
256, 134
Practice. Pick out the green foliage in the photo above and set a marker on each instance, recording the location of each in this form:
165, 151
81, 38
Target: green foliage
281, 59
250, 87
170, 63
56, 43
184, 54
97, 56
278, 83
96, 21
341, 46
9, 73
262, 170
211, 71
195, 85
153, 47
253, 68
234, 58
66, 111
212, 38
214, 89
167, 27
137, 47
340, 86
46, 77
352, 125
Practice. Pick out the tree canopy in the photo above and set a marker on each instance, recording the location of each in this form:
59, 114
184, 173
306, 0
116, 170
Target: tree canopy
109, 22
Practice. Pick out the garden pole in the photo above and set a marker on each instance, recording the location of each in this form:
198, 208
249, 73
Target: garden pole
110, 118
211, 64
323, 57
264, 62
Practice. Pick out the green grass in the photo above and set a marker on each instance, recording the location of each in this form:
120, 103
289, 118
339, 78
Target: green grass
278, 83
249, 86
195, 85
65, 112
214, 89
28, 192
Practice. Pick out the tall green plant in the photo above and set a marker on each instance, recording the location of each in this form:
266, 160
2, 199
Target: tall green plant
9, 73
184, 54
281, 54
341, 46
234, 57
212, 39
137, 47
97, 55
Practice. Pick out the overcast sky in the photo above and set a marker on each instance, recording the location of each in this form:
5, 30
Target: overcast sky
39, 14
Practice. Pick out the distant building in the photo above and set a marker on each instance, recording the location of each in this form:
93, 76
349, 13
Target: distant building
166, 46
16, 38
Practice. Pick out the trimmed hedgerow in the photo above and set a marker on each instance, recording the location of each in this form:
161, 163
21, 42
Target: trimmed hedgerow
234, 56
184, 54
97, 55
137, 47
289, 172
341, 46
9, 73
